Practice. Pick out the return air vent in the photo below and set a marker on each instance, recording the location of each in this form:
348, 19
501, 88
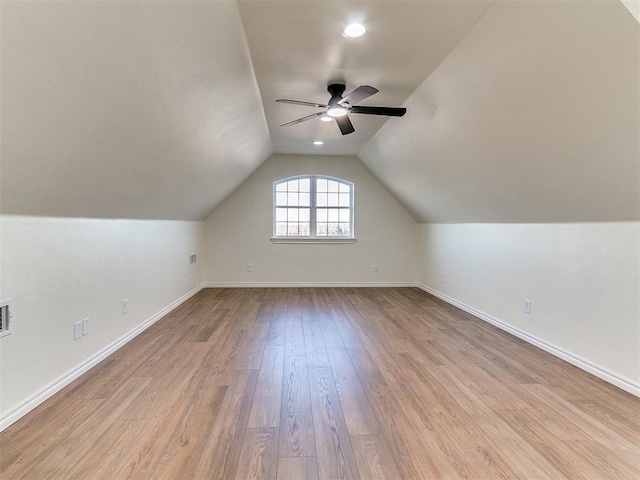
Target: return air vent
5, 317
193, 259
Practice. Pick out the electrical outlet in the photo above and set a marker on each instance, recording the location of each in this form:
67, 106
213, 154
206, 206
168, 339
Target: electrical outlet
85, 326
375, 268
249, 267
527, 306
444, 278
77, 330
125, 306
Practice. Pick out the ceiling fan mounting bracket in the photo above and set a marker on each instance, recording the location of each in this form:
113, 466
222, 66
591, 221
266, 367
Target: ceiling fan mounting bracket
336, 89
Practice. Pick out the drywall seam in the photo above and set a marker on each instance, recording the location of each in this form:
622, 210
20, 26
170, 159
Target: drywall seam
586, 365
58, 384
304, 284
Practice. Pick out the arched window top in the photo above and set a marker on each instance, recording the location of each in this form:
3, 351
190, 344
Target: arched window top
313, 207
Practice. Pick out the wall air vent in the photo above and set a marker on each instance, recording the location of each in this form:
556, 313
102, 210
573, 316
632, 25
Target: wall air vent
193, 259
5, 317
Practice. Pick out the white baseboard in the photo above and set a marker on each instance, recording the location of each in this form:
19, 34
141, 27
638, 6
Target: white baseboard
59, 383
305, 284
579, 362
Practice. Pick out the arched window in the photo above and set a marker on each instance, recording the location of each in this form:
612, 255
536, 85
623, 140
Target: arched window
313, 206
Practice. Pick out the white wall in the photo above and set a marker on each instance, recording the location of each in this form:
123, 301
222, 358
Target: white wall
239, 231
583, 281
58, 271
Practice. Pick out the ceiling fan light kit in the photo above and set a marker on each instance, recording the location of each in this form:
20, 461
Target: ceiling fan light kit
354, 30
339, 107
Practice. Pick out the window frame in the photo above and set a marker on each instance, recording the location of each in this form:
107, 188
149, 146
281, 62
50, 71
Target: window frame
313, 236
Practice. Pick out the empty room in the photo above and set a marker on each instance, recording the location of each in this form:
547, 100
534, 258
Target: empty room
320, 240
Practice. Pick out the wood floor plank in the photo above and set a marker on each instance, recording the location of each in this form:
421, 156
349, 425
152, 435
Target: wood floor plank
357, 412
334, 383
265, 410
185, 446
373, 457
221, 450
298, 468
333, 447
259, 455
296, 422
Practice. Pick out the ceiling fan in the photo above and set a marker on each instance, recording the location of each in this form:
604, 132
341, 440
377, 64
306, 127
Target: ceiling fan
339, 106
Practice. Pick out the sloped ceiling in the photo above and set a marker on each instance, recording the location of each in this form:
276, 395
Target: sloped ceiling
517, 111
126, 109
534, 117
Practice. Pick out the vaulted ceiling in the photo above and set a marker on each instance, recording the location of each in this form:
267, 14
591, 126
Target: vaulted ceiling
517, 111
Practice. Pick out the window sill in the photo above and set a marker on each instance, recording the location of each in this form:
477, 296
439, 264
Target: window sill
313, 240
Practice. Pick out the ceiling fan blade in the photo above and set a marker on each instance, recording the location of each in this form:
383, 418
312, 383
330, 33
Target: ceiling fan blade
298, 102
303, 119
388, 111
359, 94
345, 125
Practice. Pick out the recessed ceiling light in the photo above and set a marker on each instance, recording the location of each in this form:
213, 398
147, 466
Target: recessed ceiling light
354, 30
318, 142
337, 112
325, 118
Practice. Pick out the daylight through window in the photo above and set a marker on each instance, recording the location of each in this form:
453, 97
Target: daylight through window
313, 206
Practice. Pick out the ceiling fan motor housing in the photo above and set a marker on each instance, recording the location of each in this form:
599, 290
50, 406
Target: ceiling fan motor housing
335, 90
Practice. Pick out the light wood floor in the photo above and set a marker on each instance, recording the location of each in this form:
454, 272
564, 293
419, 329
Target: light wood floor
327, 384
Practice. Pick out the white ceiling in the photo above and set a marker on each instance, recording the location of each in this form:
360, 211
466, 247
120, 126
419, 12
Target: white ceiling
517, 111
297, 48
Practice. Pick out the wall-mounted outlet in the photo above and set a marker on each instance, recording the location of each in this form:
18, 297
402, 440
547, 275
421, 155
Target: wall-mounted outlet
249, 267
527, 306
193, 259
125, 306
376, 268
444, 278
77, 330
85, 326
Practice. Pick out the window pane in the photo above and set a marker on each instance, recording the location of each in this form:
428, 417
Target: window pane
333, 208
281, 198
292, 229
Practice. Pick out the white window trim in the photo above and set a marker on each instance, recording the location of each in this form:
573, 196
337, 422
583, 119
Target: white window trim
313, 238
